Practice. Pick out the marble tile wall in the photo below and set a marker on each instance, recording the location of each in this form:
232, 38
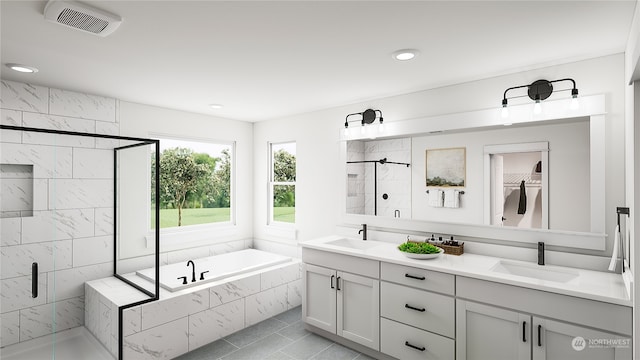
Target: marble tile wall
355, 178
392, 179
69, 232
179, 323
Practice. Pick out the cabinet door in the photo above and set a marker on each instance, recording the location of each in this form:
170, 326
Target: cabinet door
359, 309
486, 332
319, 302
554, 340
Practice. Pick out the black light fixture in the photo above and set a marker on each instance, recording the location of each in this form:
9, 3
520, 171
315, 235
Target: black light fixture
537, 91
367, 117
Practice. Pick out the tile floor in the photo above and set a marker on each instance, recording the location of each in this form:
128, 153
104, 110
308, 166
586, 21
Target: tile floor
281, 337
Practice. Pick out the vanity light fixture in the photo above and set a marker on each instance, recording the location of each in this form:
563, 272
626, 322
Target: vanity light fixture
367, 117
22, 68
538, 91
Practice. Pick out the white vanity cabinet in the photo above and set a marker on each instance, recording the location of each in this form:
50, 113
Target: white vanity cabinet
342, 296
509, 331
556, 341
412, 310
416, 322
487, 332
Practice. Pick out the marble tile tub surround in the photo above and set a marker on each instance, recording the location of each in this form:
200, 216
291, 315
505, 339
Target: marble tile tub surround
185, 320
69, 232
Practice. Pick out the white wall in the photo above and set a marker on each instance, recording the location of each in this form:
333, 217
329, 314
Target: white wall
153, 122
320, 174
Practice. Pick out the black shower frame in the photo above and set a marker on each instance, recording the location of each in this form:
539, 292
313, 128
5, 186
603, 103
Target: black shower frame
141, 142
375, 176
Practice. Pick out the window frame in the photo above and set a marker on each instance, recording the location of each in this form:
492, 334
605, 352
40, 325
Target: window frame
271, 185
177, 236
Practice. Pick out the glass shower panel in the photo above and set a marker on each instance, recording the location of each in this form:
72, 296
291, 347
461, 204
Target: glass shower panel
136, 224
56, 194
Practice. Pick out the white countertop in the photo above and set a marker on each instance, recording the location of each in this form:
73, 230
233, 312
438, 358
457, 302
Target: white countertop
594, 285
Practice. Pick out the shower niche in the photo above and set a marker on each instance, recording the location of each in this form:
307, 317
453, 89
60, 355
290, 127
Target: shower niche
16, 190
379, 177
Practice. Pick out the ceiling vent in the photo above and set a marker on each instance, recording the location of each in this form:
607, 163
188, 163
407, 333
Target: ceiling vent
82, 17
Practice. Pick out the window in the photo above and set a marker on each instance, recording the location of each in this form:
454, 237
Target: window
282, 183
195, 183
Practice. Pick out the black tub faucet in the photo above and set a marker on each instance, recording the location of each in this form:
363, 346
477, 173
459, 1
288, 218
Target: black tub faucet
363, 231
193, 270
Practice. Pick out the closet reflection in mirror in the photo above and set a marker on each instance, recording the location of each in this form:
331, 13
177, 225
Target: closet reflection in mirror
379, 177
519, 186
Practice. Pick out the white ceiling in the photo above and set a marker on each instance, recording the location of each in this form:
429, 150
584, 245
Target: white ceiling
269, 59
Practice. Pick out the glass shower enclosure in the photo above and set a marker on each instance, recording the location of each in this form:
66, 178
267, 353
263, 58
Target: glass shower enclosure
69, 203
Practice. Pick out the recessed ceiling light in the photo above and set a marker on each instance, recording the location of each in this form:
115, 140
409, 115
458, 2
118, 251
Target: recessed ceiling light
215, 106
405, 54
21, 68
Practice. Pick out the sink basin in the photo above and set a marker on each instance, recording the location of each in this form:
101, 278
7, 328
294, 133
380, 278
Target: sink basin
535, 271
353, 244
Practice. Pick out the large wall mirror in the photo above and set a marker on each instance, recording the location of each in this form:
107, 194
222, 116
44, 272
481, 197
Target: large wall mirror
540, 175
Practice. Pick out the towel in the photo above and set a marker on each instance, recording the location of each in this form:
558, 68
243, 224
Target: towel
452, 199
522, 205
435, 198
616, 250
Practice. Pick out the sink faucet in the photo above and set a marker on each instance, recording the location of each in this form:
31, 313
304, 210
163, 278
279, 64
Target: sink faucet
363, 231
540, 253
193, 270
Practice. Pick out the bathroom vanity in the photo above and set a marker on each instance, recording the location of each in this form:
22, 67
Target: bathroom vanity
369, 296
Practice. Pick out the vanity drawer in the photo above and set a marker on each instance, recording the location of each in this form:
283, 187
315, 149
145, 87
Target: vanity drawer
353, 264
419, 278
419, 308
408, 343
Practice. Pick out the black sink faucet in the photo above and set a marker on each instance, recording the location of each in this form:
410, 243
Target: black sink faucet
363, 231
193, 270
540, 253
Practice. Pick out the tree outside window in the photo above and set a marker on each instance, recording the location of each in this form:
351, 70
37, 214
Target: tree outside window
283, 182
195, 183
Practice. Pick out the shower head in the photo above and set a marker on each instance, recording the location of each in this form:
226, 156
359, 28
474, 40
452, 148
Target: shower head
382, 161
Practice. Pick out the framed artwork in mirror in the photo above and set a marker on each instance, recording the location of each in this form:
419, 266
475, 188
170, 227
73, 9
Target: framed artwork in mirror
446, 167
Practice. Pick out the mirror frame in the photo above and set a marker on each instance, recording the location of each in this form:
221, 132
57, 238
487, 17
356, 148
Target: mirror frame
592, 107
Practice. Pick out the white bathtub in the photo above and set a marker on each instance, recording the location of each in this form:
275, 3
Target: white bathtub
219, 267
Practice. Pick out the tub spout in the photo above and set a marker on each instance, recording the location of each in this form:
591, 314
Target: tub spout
193, 270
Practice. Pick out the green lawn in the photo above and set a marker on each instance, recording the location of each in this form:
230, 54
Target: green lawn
169, 217
284, 214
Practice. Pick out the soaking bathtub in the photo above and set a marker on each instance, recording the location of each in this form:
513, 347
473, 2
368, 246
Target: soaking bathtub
213, 268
